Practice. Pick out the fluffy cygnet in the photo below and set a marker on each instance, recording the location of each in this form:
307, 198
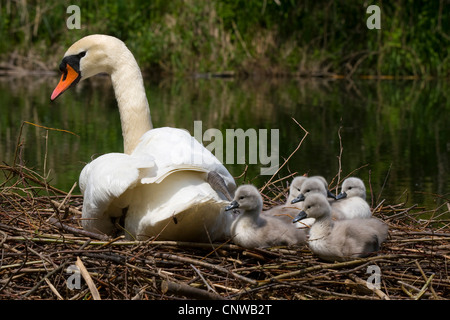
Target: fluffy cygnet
288, 211
352, 199
249, 229
315, 185
295, 187
340, 240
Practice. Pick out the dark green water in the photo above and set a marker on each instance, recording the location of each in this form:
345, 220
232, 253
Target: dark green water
397, 132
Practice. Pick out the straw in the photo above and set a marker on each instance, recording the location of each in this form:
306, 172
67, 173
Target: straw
41, 236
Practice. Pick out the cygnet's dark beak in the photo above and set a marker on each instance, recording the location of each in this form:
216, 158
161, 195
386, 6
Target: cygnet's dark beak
300, 197
302, 215
330, 194
233, 205
341, 195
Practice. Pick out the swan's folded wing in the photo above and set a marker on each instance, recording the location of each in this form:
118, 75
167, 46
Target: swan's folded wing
105, 180
157, 181
176, 150
182, 207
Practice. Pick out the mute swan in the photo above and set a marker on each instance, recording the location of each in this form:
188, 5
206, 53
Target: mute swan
294, 188
352, 199
340, 240
249, 229
161, 179
325, 184
288, 211
317, 185
298, 196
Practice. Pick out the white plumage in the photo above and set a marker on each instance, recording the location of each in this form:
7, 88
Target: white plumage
161, 181
352, 199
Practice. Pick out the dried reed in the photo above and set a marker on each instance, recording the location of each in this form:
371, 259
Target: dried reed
40, 238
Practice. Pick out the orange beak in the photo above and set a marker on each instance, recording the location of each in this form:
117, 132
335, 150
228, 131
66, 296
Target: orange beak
67, 79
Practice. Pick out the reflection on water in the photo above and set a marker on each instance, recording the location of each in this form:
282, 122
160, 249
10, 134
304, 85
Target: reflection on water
395, 132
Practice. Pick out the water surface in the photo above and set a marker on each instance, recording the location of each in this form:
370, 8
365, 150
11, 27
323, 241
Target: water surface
395, 134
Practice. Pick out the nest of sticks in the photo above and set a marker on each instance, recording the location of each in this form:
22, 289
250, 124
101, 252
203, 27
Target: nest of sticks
41, 241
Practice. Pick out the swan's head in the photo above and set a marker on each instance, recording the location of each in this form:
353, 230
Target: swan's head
315, 206
352, 187
296, 185
87, 57
310, 186
247, 198
325, 183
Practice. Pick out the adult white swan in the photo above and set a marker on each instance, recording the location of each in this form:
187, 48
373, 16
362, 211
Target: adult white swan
161, 181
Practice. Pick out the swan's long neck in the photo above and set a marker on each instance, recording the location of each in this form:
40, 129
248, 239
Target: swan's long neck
132, 100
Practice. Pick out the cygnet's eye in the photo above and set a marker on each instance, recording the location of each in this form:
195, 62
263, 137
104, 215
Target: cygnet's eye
241, 197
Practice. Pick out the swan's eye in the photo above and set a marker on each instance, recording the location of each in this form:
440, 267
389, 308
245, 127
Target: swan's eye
82, 54
62, 67
241, 197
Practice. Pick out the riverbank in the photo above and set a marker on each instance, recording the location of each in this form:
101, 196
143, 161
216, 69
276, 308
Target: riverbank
239, 38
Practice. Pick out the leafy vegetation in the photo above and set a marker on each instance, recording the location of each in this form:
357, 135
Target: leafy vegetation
272, 37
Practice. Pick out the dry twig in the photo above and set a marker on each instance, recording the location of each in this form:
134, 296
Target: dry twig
40, 236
